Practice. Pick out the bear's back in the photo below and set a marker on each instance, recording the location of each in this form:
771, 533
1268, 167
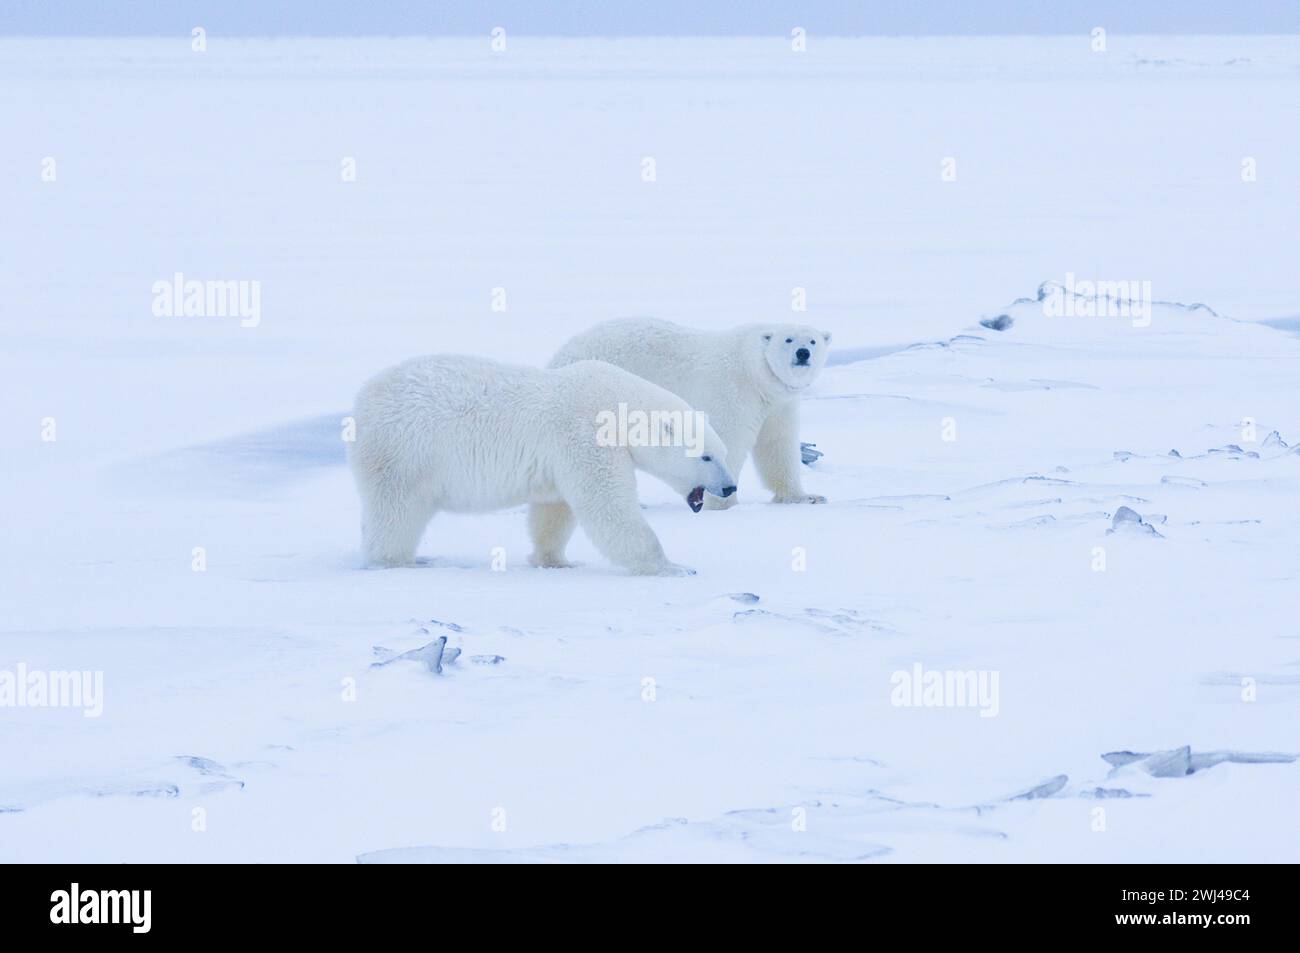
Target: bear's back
678, 359
452, 389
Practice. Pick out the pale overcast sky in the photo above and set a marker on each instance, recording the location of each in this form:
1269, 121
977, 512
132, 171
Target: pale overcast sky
641, 17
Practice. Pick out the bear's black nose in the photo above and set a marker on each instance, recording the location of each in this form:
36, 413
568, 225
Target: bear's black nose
727, 491
802, 355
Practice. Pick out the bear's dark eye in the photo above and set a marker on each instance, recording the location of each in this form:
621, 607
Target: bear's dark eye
706, 458
813, 341
789, 340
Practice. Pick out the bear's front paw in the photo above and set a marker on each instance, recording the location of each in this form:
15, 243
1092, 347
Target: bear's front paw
801, 498
550, 561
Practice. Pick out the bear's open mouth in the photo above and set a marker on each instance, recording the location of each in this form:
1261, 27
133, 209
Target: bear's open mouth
695, 499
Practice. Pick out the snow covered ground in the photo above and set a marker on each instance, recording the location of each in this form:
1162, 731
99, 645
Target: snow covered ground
746, 713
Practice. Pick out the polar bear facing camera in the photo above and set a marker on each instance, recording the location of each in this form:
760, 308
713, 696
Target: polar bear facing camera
464, 434
747, 379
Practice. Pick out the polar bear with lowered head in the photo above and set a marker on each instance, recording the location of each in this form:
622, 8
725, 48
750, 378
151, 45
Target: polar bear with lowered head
747, 379
464, 434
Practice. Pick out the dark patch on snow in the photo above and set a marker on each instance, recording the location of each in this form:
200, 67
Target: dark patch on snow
166, 790
1102, 793
432, 655
1181, 762
849, 617
809, 453
210, 769
446, 625
1048, 788
204, 766
1128, 520
1000, 323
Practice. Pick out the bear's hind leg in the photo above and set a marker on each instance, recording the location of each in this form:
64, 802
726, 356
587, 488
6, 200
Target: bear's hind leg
393, 519
550, 525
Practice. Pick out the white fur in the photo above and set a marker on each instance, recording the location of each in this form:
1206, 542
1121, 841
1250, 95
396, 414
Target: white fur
464, 434
744, 378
